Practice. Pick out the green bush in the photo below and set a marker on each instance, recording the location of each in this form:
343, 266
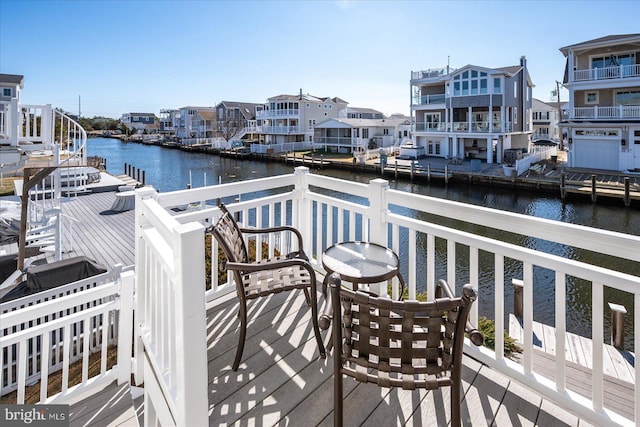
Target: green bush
488, 329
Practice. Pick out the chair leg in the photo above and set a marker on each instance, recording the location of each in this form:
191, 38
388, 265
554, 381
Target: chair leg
316, 328
243, 332
307, 296
455, 404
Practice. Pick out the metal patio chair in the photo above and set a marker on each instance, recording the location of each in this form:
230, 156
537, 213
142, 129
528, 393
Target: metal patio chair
255, 279
406, 344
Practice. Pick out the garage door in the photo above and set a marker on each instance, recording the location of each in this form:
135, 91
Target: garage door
598, 154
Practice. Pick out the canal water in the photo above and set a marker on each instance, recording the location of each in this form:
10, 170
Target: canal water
169, 170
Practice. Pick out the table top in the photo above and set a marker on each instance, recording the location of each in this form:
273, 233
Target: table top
361, 262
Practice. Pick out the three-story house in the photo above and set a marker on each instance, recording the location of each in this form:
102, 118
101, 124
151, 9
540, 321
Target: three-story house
471, 112
603, 124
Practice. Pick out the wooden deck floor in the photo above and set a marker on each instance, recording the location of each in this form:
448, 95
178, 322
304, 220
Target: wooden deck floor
282, 380
90, 228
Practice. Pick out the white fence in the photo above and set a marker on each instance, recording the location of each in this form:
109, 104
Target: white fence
280, 148
536, 155
48, 331
327, 210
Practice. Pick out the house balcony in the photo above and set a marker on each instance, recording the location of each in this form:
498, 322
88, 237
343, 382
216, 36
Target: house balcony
464, 127
186, 329
280, 129
270, 114
618, 112
429, 74
607, 73
428, 99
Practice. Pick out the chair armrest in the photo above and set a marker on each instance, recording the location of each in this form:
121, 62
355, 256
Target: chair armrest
250, 267
252, 230
475, 335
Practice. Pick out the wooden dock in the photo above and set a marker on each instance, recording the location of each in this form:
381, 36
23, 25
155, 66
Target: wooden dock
578, 349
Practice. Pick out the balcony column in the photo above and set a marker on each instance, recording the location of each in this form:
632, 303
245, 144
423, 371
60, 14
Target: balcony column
489, 150
469, 117
377, 214
572, 71
302, 218
502, 120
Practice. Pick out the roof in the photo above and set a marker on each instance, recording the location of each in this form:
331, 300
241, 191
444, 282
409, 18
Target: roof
360, 123
142, 114
247, 109
602, 41
364, 110
207, 115
306, 97
15, 79
538, 105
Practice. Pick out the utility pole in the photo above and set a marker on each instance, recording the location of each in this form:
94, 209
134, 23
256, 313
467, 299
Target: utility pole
559, 116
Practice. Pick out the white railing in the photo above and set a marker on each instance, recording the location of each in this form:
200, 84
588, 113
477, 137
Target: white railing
47, 332
280, 129
373, 212
277, 113
613, 112
170, 340
284, 147
536, 155
605, 73
198, 141
5, 117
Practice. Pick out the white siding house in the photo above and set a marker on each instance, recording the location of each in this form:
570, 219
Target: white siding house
603, 123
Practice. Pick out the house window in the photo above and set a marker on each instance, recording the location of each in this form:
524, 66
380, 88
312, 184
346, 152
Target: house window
496, 85
515, 89
319, 106
591, 97
437, 148
385, 131
515, 115
308, 105
473, 82
6, 92
365, 133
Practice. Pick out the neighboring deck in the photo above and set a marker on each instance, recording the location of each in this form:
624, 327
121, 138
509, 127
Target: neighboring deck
282, 380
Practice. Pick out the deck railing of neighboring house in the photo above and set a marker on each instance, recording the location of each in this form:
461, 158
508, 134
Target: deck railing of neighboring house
278, 113
48, 331
607, 112
284, 147
327, 210
536, 155
281, 129
606, 73
429, 74
428, 99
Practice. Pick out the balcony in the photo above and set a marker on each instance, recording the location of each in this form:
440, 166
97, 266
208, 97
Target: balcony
327, 210
429, 74
466, 127
428, 99
266, 114
280, 129
607, 73
617, 112
185, 331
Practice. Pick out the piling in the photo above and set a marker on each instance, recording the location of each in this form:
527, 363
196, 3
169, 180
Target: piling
412, 167
594, 192
446, 174
518, 287
617, 325
429, 172
563, 192
396, 168
627, 196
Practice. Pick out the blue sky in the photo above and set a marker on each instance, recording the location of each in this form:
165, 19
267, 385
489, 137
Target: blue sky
141, 56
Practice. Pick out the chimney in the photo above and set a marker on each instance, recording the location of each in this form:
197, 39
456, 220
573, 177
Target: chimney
523, 61
300, 96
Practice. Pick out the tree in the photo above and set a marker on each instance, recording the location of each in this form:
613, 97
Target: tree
228, 128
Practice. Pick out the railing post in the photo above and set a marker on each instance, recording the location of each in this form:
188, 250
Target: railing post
14, 122
377, 214
302, 219
139, 297
125, 326
617, 325
192, 398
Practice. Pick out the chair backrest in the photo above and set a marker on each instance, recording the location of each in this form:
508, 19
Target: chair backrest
406, 344
229, 237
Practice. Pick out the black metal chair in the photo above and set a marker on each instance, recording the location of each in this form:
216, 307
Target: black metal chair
406, 344
255, 279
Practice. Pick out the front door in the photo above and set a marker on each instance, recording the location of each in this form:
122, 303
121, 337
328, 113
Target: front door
635, 146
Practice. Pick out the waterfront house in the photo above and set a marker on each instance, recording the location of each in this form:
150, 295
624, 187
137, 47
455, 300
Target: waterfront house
140, 121
292, 118
169, 120
603, 125
358, 135
544, 122
203, 123
471, 112
237, 120
10, 86
185, 127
